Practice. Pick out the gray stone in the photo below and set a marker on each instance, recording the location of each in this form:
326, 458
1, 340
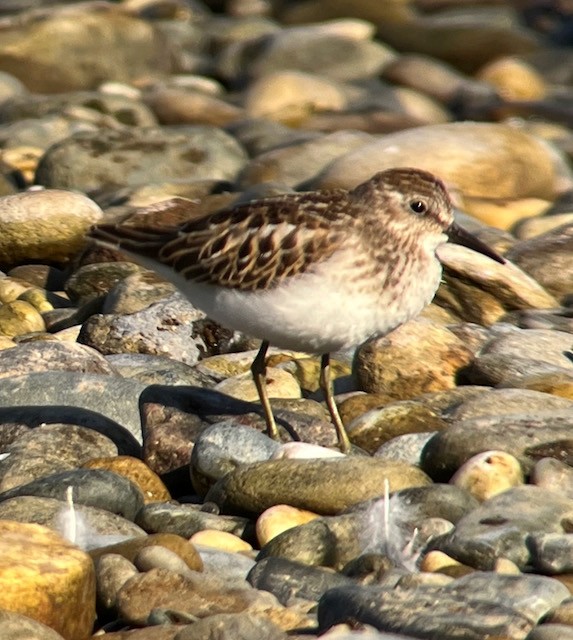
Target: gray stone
90, 487
87, 161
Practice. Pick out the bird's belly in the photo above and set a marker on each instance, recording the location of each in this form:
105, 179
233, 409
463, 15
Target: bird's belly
315, 312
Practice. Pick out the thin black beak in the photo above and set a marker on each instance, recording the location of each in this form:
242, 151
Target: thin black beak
459, 235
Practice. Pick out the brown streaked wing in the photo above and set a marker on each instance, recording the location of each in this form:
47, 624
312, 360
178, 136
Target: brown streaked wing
259, 244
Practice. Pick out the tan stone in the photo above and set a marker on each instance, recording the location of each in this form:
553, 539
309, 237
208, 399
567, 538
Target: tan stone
505, 213
46, 578
416, 358
279, 518
47, 224
12, 288
280, 384
487, 474
436, 561
23, 159
514, 79
138, 472
466, 155
289, 96
222, 540
130, 548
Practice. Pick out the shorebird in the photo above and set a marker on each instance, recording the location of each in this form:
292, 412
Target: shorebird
316, 271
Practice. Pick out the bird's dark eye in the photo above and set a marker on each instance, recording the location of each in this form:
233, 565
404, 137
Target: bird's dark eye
418, 206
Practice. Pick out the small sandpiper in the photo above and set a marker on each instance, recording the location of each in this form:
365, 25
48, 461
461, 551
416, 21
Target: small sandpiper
316, 271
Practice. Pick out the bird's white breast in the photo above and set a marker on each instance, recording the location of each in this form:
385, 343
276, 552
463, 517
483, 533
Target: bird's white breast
326, 309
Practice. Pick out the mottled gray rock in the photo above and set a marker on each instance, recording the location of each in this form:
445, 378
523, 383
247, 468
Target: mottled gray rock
39, 356
289, 580
225, 446
552, 553
90, 487
91, 527
108, 404
323, 485
48, 449
172, 327
501, 527
87, 161
473, 607
187, 519
518, 434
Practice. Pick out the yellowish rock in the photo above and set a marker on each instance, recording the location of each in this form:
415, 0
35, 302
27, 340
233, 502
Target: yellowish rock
46, 578
6, 343
466, 155
507, 567
18, 318
504, 213
280, 518
38, 298
24, 159
280, 384
488, 473
289, 96
12, 288
514, 79
437, 560
416, 358
220, 540
307, 371
138, 472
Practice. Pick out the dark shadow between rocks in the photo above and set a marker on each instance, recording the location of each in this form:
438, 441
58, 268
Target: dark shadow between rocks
34, 416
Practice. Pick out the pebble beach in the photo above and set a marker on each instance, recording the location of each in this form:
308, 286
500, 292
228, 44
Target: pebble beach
140, 497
